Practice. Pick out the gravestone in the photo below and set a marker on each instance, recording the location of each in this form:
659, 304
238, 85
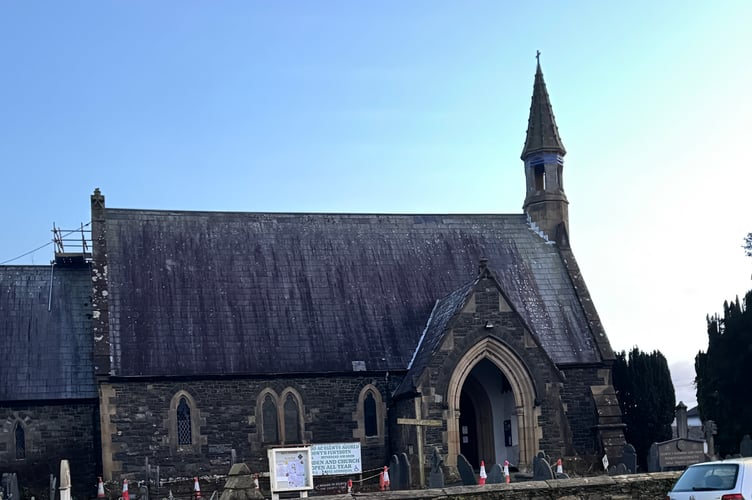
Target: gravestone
436, 474
406, 479
240, 484
155, 479
466, 471
621, 469
682, 430
394, 473
710, 430
53, 485
675, 454
10, 486
653, 465
541, 469
65, 480
152, 477
745, 447
629, 458
495, 475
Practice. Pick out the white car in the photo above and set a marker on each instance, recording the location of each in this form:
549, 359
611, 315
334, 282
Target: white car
720, 480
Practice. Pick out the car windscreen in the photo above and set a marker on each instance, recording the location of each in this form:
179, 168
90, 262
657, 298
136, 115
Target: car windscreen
708, 477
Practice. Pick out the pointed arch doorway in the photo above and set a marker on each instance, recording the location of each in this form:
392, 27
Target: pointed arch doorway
488, 417
492, 407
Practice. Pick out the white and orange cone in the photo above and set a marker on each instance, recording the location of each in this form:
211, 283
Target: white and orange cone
126, 495
483, 474
349, 485
559, 468
100, 488
507, 479
196, 488
386, 477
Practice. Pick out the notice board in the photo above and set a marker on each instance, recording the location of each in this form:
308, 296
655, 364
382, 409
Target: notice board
290, 469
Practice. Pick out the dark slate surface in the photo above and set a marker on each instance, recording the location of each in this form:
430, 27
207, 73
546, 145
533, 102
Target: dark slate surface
45, 354
443, 312
197, 293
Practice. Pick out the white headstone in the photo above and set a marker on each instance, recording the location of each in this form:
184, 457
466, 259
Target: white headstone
65, 481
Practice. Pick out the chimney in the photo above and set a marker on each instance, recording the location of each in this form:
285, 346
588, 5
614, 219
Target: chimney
482, 265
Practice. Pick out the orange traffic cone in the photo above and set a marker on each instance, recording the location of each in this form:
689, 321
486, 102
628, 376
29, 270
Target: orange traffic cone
559, 468
196, 488
386, 477
483, 474
126, 495
507, 479
100, 488
349, 485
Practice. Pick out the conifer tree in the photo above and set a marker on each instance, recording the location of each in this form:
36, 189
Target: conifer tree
646, 395
748, 245
723, 375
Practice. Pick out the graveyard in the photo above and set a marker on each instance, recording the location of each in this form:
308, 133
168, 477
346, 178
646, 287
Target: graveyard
241, 484
546, 477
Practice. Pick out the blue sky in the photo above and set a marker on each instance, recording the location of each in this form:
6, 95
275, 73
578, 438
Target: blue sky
393, 106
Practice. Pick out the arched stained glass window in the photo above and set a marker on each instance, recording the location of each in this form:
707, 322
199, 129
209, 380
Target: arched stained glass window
292, 420
20, 436
369, 415
184, 423
270, 431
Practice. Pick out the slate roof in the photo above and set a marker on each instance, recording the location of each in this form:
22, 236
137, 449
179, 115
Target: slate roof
45, 333
201, 293
443, 312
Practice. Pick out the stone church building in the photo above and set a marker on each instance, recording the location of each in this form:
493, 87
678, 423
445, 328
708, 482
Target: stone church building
182, 336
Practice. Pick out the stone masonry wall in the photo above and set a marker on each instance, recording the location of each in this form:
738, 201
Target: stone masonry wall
636, 486
469, 327
227, 410
52, 432
581, 411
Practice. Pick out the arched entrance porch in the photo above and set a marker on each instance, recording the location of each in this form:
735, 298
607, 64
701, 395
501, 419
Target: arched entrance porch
492, 413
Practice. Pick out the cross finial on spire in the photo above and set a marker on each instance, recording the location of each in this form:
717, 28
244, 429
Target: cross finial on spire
537, 56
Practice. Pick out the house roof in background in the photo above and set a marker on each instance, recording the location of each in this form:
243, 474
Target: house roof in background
45, 330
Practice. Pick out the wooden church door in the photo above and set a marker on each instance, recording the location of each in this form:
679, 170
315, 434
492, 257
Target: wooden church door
468, 430
476, 424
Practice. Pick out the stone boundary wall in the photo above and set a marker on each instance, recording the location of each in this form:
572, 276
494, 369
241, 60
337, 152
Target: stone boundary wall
630, 486
646, 486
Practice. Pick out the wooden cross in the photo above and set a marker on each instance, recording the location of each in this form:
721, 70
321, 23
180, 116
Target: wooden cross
419, 423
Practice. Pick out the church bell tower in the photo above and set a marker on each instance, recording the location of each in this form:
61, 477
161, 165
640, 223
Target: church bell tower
543, 154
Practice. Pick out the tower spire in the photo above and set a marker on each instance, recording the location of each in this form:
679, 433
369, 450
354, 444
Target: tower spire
542, 132
543, 154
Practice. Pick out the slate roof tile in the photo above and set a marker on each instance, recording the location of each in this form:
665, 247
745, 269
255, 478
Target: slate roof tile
45, 330
197, 293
